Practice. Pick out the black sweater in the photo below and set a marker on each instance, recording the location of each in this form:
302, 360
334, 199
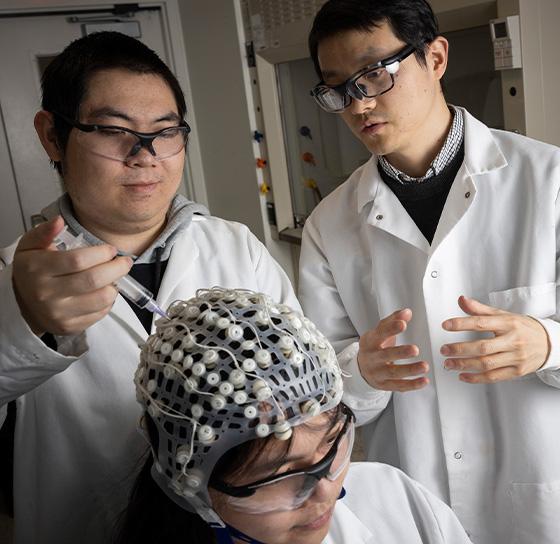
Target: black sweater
424, 200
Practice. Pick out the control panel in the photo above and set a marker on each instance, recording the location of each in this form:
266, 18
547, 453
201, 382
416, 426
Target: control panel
506, 37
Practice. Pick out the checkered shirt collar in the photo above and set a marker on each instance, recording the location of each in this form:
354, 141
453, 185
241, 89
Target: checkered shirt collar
444, 157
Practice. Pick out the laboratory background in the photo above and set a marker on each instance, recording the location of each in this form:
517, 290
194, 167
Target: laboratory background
261, 151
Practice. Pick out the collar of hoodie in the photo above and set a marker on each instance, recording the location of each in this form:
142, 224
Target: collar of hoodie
179, 217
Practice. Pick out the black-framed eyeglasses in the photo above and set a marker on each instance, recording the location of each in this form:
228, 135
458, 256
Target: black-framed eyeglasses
289, 490
121, 143
369, 82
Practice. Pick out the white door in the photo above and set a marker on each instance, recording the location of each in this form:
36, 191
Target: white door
27, 44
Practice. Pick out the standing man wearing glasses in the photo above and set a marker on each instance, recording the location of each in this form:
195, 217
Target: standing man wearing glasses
113, 125
433, 271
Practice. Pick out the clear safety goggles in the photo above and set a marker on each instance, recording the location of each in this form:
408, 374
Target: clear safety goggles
288, 491
121, 143
369, 82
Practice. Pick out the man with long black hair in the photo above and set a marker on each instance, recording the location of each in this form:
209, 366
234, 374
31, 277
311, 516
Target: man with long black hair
433, 270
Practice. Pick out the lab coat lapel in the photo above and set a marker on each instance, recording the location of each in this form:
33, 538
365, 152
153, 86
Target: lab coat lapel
460, 198
124, 315
482, 152
387, 213
183, 257
482, 155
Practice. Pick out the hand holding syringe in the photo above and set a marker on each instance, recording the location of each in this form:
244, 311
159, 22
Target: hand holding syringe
126, 286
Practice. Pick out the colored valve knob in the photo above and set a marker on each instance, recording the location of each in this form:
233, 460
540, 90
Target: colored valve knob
258, 136
305, 131
261, 163
309, 158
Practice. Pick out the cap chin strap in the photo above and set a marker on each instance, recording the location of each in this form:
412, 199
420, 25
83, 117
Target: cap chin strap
226, 533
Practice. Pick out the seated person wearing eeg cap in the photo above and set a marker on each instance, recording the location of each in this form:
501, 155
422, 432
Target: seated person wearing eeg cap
250, 442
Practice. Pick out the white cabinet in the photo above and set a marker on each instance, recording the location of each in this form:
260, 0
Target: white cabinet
531, 94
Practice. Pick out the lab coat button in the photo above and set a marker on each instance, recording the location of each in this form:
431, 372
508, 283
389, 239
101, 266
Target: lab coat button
467, 194
379, 217
434, 274
458, 455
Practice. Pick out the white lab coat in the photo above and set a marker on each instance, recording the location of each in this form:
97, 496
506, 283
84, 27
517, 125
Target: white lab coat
76, 444
491, 451
384, 506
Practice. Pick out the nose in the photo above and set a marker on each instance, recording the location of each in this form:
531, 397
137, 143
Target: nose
324, 490
142, 158
358, 107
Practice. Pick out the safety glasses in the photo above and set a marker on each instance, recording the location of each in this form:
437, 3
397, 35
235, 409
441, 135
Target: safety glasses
121, 143
371, 81
289, 490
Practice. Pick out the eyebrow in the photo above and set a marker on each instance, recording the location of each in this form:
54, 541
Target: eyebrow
371, 55
105, 112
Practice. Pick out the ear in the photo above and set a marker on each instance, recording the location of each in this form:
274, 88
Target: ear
436, 56
44, 125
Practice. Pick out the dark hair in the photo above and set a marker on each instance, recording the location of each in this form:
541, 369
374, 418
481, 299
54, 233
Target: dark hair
412, 21
64, 82
153, 518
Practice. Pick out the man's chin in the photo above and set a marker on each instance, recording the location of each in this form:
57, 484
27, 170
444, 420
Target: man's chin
377, 148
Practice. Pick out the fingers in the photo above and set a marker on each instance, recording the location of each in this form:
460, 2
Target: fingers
378, 353
404, 377
396, 377
484, 318
480, 323
480, 364
94, 278
42, 236
77, 260
61, 263
67, 309
401, 377
373, 358
101, 300
72, 315
384, 334
407, 351
59, 291
405, 385
477, 348
493, 376
472, 306
391, 371
405, 314
519, 347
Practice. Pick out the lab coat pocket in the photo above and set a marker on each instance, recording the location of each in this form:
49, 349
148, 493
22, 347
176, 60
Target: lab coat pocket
536, 513
534, 300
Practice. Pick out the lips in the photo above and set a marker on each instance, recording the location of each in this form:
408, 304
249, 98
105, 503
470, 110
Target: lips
142, 188
140, 183
318, 522
372, 128
370, 125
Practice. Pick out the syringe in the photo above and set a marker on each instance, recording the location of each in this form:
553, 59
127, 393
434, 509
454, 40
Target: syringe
126, 286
